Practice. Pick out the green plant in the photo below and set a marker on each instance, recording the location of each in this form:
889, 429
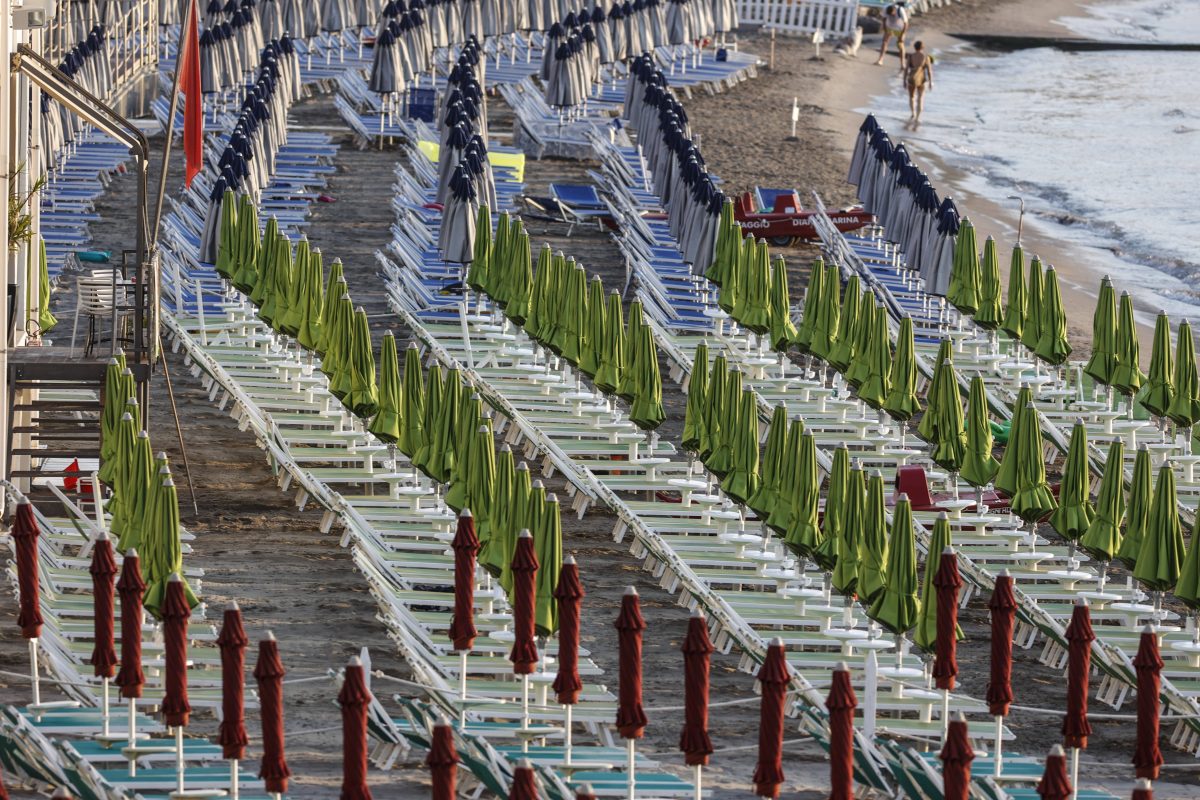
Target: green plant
20, 220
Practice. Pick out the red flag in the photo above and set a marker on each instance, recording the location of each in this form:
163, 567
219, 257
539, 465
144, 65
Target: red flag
189, 85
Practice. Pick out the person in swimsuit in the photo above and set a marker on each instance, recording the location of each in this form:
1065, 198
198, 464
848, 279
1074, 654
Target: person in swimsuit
918, 78
895, 23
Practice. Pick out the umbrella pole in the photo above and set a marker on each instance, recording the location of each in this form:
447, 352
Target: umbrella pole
33, 672
631, 767
870, 677
132, 735
525, 711
945, 714
567, 739
234, 789
462, 689
699, 779
179, 759
105, 713
1074, 773
999, 757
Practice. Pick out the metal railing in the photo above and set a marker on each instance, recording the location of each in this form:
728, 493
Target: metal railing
833, 18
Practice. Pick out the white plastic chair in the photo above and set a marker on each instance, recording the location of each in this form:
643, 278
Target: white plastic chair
97, 299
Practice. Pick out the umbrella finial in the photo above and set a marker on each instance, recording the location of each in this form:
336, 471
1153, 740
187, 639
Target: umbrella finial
947, 550
539, 485
697, 614
174, 578
1004, 573
1057, 751
551, 498
354, 661
162, 455
842, 666
903, 498
233, 606
130, 553
465, 513
524, 534
630, 591
142, 434
942, 515
776, 641
568, 560
1147, 628
961, 717
102, 536
270, 636
1079, 601
522, 466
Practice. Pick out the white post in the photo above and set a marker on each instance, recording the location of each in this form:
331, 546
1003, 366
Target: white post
631, 768
567, 740
698, 779
999, 745
869, 694
462, 690
104, 729
179, 759
525, 712
945, 714
132, 735
33, 672
1074, 773
234, 789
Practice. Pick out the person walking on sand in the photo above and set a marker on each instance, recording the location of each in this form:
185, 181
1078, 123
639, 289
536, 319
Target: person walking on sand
895, 23
918, 77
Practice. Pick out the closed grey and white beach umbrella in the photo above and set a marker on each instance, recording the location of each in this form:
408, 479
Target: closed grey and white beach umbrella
383, 65
456, 239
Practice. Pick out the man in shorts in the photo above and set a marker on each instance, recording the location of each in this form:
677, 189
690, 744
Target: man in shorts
895, 23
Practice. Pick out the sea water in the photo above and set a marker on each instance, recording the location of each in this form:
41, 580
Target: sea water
1103, 146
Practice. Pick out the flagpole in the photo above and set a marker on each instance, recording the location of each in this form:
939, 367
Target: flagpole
188, 19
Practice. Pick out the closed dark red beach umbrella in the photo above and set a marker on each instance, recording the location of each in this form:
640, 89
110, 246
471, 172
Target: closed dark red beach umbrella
442, 762
524, 787
269, 672
1075, 725
131, 587
175, 615
697, 662
354, 699
25, 541
773, 677
631, 717
841, 704
947, 583
1142, 790
569, 594
957, 756
1147, 757
1055, 785
233, 641
104, 571
524, 654
1003, 606
466, 547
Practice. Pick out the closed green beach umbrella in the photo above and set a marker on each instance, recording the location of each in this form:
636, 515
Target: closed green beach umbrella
612, 354
520, 284
334, 287
741, 482
1160, 559
477, 272
990, 314
864, 335
978, 466
1017, 303
1187, 588
753, 306
646, 411
481, 478
287, 319
939, 539
872, 568
1185, 405
1103, 537
246, 272
432, 432
720, 460
1128, 377
539, 292
136, 488
826, 553
412, 414
386, 423
897, 606
781, 514
1053, 347
710, 433
263, 278
311, 303
764, 498
728, 243
848, 321
1159, 390
627, 387
825, 327
228, 241
845, 572
1102, 365
927, 427
363, 398
1074, 514
1032, 499
45, 317
1032, 332
813, 296
547, 542
494, 550
593, 340
876, 381
963, 291
165, 550
803, 534
1006, 476
1137, 510
783, 331
693, 420
902, 402
114, 406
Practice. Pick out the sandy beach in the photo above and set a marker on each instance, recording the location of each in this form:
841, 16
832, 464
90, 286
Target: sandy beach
259, 550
